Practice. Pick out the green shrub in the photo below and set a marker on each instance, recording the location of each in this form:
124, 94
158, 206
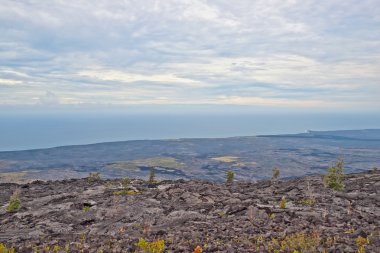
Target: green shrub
335, 176
4, 249
230, 176
14, 202
275, 173
283, 203
152, 176
156, 246
125, 183
94, 176
124, 192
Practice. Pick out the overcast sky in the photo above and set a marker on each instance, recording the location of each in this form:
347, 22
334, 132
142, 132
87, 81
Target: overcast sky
269, 53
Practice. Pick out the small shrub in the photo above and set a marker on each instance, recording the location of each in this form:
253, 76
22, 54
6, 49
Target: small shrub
152, 176
4, 249
283, 203
156, 246
335, 176
124, 192
275, 173
93, 177
361, 242
230, 176
56, 249
298, 242
86, 209
198, 249
125, 183
14, 202
374, 170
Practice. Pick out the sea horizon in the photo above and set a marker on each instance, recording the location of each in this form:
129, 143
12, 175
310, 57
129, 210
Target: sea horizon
45, 130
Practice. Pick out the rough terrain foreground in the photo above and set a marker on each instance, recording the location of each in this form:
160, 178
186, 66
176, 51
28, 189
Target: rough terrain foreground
82, 215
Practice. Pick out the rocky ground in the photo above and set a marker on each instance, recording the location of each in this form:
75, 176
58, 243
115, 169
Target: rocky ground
83, 215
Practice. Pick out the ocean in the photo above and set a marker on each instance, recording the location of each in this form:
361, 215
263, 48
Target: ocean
20, 131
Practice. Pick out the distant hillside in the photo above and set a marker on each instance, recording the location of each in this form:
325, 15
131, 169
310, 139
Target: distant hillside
252, 158
366, 134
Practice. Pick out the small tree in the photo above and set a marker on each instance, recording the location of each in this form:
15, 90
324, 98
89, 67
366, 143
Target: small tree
335, 176
152, 176
14, 202
125, 183
93, 177
230, 176
275, 174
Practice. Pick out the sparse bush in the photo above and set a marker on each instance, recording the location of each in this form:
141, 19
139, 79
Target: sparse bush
93, 177
283, 203
374, 169
361, 242
298, 242
335, 176
14, 202
152, 176
5, 249
198, 249
125, 191
156, 246
230, 176
275, 173
125, 183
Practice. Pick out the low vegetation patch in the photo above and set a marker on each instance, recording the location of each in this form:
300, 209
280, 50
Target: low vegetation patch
275, 174
225, 159
298, 242
230, 176
126, 189
93, 177
14, 203
5, 249
334, 178
157, 246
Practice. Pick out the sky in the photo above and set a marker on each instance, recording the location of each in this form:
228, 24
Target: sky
271, 54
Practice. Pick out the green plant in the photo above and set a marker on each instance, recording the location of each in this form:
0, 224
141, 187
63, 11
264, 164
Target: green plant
156, 246
152, 176
124, 192
230, 176
335, 176
361, 242
86, 209
275, 173
298, 242
198, 249
4, 249
125, 183
283, 203
56, 249
94, 176
14, 202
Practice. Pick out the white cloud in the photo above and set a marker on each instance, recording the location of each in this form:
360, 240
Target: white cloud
49, 99
263, 52
115, 75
